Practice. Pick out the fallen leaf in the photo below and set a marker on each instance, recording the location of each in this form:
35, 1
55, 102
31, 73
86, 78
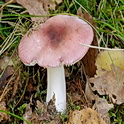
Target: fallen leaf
5, 61
102, 107
39, 116
76, 98
106, 58
90, 58
28, 112
88, 92
110, 83
43, 113
51, 108
3, 115
56, 120
85, 116
39, 7
7, 73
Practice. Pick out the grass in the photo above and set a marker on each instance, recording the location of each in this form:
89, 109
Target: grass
109, 18
15, 116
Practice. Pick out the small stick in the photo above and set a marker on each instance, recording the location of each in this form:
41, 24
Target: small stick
102, 48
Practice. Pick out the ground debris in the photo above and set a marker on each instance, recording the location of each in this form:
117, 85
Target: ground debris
89, 93
110, 83
106, 58
41, 114
2, 114
76, 94
7, 73
85, 116
39, 7
5, 61
102, 107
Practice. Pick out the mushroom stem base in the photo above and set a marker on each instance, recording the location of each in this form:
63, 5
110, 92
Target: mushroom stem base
56, 87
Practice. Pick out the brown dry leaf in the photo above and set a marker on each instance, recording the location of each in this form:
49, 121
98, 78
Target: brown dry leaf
56, 120
5, 61
102, 107
76, 97
88, 92
37, 117
39, 7
7, 73
40, 115
2, 114
43, 111
110, 83
28, 113
85, 116
90, 58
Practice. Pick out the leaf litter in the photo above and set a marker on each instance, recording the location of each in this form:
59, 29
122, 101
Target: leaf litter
5, 61
41, 7
6, 71
106, 58
102, 107
6, 74
99, 104
109, 79
110, 83
9, 81
41, 114
85, 116
3, 107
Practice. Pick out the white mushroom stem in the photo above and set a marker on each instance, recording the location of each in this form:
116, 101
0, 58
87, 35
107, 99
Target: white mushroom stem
56, 86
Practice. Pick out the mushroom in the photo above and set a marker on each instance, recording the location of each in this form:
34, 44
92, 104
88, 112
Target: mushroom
56, 43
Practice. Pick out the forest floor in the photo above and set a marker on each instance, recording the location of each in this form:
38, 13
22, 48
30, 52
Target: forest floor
23, 88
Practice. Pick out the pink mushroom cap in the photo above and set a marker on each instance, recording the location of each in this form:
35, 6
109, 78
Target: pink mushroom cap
56, 42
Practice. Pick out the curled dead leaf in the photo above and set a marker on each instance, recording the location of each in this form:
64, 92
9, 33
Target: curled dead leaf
39, 7
102, 107
89, 93
85, 116
110, 83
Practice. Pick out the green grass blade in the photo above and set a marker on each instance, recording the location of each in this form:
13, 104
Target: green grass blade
15, 116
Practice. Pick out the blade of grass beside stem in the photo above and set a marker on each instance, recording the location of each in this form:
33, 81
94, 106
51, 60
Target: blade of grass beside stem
15, 116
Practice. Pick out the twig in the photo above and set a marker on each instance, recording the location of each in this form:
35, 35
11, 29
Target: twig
102, 48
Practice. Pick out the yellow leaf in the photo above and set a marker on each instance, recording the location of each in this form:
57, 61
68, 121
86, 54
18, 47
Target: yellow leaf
106, 58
